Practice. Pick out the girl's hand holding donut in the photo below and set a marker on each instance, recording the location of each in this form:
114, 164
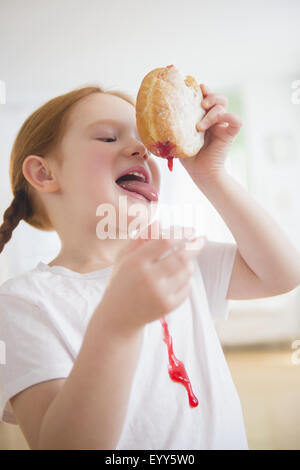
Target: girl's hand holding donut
178, 118
220, 130
143, 287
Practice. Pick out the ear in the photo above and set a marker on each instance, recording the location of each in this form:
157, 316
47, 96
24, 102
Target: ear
38, 173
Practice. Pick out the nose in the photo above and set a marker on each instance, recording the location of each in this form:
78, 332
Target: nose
138, 149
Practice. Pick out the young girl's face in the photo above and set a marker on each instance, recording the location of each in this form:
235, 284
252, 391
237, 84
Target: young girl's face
96, 153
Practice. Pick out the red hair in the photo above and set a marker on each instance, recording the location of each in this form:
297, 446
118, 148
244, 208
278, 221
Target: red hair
40, 134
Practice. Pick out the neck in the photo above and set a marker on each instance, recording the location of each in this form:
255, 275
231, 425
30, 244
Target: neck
86, 254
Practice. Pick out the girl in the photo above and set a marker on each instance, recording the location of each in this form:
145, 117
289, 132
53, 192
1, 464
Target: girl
86, 366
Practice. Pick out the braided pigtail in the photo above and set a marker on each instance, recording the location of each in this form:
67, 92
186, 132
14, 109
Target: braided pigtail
18, 210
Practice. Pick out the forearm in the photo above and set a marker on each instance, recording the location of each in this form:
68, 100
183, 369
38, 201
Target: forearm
89, 411
260, 240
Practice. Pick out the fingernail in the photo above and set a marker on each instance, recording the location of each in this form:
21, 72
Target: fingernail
201, 126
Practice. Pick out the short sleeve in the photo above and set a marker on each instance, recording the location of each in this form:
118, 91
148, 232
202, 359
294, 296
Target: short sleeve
216, 260
32, 350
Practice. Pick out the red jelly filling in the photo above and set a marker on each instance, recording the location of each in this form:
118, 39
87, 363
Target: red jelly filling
177, 370
170, 163
164, 150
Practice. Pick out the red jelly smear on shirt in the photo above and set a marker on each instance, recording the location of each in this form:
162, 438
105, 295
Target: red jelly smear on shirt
177, 370
164, 149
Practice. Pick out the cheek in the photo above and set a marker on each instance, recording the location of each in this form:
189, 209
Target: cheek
94, 164
96, 172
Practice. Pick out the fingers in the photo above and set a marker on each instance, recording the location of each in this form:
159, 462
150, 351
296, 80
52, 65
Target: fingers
185, 248
233, 121
138, 239
156, 249
180, 295
161, 241
211, 118
177, 261
212, 99
178, 232
177, 278
215, 105
205, 90
161, 247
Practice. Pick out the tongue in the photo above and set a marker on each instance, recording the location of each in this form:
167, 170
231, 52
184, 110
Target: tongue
145, 189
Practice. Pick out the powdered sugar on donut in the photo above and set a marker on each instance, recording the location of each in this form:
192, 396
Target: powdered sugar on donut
168, 109
183, 105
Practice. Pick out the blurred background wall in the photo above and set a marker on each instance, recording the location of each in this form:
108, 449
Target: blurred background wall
249, 51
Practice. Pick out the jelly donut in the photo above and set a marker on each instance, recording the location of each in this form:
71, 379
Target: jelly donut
168, 109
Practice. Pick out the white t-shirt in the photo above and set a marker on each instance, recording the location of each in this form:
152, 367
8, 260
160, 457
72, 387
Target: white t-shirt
44, 314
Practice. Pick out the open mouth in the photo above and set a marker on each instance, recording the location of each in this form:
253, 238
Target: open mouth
135, 181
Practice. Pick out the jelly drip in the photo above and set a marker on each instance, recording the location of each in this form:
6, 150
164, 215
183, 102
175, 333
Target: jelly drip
170, 163
164, 150
176, 369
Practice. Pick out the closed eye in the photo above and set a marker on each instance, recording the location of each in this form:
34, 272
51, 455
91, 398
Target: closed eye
106, 139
